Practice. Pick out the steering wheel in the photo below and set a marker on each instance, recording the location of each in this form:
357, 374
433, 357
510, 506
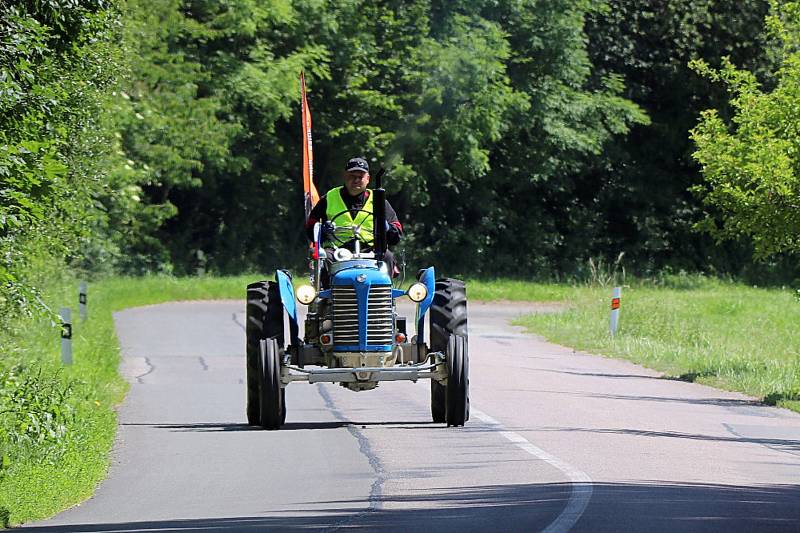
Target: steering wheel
355, 228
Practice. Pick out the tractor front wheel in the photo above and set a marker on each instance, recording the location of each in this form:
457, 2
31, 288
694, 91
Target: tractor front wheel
271, 394
438, 402
457, 389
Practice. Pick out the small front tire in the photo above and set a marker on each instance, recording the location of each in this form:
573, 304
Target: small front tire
271, 394
457, 388
438, 405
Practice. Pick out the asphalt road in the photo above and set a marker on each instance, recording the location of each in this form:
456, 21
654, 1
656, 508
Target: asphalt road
558, 440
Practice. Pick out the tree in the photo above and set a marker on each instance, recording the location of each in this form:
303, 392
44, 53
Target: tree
59, 63
544, 218
489, 108
642, 180
751, 163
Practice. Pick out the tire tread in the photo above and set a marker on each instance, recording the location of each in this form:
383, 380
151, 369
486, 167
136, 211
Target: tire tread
448, 318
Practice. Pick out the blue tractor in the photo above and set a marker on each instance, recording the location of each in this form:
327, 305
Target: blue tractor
353, 334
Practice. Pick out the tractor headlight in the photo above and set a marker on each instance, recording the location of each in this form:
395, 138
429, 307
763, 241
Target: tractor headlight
417, 292
305, 294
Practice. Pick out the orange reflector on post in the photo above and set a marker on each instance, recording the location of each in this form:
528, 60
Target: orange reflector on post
400, 337
616, 297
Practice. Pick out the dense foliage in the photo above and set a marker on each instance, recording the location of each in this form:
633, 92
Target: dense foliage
522, 138
448, 95
58, 62
642, 182
516, 116
750, 162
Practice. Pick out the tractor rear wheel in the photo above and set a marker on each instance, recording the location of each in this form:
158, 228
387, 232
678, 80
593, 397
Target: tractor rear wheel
264, 320
271, 394
448, 317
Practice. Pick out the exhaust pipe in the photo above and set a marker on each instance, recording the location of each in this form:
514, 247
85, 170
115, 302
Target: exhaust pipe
379, 216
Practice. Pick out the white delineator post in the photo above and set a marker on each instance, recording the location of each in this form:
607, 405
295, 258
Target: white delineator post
82, 300
616, 298
66, 335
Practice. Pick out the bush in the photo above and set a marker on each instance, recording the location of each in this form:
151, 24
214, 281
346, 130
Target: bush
35, 412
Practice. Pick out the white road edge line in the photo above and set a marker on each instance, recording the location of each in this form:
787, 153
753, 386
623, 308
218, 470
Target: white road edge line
581, 482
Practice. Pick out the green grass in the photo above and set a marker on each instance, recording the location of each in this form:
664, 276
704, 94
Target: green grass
723, 334
513, 290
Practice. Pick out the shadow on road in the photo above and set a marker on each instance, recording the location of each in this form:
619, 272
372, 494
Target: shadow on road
289, 426
719, 402
654, 506
788, 445
785, 445
597, 374
770, 399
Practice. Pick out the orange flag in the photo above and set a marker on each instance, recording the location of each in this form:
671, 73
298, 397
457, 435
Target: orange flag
310, 196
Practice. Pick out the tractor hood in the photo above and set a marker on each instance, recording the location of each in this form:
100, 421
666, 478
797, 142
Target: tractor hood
359, 271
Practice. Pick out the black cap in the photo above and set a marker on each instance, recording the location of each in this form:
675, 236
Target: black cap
357, 163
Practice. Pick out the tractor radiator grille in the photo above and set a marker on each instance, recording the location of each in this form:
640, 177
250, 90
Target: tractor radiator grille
379, 315
345, 315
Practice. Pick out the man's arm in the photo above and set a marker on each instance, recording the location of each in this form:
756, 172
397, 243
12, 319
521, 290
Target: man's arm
317, 215
395, 230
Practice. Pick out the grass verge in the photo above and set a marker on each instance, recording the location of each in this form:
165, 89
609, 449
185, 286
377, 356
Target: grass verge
719, 333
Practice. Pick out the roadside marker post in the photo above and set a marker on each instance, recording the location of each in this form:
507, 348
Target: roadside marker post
82, 300
66, 335
616, 298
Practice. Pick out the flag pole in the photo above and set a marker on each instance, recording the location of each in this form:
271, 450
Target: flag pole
310, 194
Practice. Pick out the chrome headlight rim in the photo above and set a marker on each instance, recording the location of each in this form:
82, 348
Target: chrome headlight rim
305, 294
417, 292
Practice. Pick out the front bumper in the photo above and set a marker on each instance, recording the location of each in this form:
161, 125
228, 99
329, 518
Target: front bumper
409, 372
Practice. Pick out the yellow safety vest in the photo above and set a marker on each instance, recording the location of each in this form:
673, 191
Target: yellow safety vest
364, 219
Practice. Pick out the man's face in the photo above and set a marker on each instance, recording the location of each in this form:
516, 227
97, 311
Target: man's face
355, 181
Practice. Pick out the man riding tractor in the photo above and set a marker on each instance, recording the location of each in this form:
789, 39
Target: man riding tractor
354, 332
343, 204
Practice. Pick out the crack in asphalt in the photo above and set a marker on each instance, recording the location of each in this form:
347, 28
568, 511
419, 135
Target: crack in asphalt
236, 321
151, 369
760, 442
381, 475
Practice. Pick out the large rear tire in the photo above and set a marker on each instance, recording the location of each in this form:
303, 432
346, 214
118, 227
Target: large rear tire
448, 317
264, 321
271, 394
